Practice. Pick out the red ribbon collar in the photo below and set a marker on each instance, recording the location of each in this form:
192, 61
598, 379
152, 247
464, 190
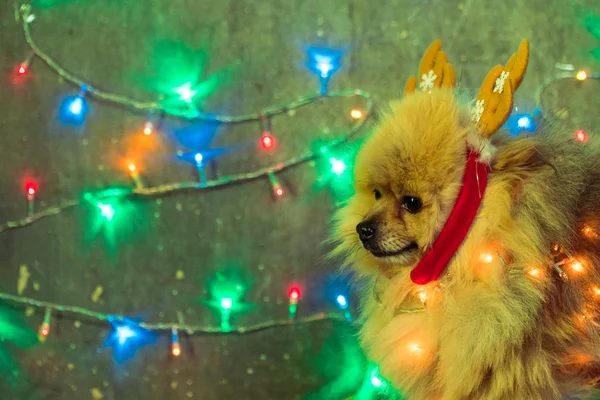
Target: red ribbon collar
445, 246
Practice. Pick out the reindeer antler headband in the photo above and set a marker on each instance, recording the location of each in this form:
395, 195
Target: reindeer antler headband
493, 106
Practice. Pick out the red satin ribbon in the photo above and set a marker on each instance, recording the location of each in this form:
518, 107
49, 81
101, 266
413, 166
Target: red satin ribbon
445, 246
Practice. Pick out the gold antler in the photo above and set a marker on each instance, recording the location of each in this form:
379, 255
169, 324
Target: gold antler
435, 71
494, 101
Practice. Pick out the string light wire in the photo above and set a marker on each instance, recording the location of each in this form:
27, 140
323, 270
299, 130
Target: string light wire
188, 328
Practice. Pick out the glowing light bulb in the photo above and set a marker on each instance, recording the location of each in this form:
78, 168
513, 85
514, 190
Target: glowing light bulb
226, 303
577, 266
185, 92
107, 211
124, 333
131, 167
277, 188
534, 272
356, 113
337, 166
486, 257
45, 327
596, 290
415, 348
581, 136
198, 158
22, 70
581, 75
524, 122
148, 128
342, 301
76, 106
175, 346
294, 295
267, 141
30, 188
375, 381
422, 296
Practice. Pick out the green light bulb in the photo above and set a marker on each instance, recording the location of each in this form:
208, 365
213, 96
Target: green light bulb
337, 166
226, 303
107, 211
185, 92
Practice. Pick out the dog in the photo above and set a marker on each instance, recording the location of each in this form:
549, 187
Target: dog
479, 251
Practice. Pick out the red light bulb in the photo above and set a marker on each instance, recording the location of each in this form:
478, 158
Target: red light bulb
581, 136
294, 293
22, 70
30, 188
279, 191
267, 141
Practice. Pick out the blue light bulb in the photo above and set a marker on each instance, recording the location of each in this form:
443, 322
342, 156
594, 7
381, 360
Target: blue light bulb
124, 333
342, 301
525, 122
76, 106
73, 110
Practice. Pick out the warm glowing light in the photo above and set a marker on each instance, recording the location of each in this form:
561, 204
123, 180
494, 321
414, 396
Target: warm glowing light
577, 266
415, 348
422, 296
148, 128
45, 330
581, 75
596, 290
581, 136
22, 69
279, 191
555, 248
486, 257
131, 167
176, 350
589, 232
534, 272
356, 113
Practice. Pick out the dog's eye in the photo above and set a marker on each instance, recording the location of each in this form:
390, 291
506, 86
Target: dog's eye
377, 194
412, 204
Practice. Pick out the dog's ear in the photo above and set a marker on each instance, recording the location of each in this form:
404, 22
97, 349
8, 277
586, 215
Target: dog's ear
515, 161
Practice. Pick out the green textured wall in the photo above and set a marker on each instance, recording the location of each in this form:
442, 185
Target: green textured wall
117, 45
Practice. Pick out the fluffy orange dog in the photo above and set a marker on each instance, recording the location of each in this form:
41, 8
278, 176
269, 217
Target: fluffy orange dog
480, 254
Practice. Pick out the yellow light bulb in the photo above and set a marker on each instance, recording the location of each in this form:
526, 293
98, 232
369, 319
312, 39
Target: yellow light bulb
487, 257
131, 167
596, 290
176, 350
356, 114
422, 296
577, 266
534, 272
581, 75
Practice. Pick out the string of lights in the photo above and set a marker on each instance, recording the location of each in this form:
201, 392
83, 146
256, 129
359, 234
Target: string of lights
188, 328
166, 189
568, 72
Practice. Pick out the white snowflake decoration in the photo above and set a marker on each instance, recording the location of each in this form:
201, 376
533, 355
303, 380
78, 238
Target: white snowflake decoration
427, 81
499, 86
477, 111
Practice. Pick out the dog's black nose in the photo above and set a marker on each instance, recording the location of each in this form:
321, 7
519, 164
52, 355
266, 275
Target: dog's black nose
366, 230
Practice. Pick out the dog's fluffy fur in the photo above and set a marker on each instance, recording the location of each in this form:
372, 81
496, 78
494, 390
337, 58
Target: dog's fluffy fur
489, 330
